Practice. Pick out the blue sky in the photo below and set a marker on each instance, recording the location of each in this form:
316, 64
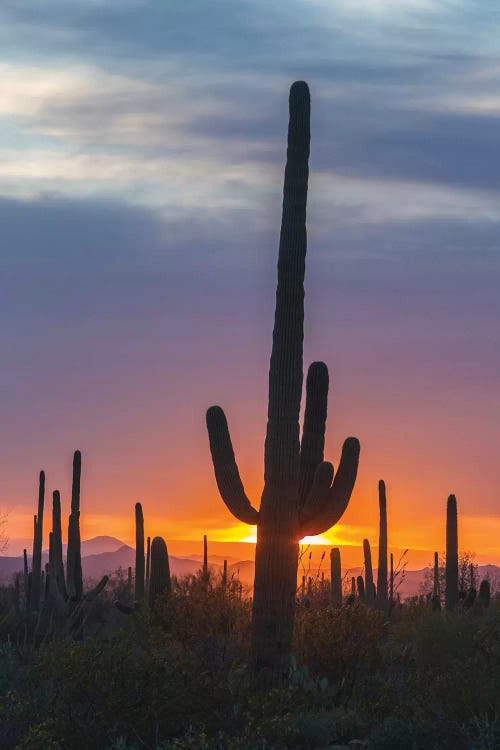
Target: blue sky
142, 150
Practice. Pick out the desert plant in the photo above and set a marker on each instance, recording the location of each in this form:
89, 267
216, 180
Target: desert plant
369, 585
159, 580
451, 591
298, 498
139, 553
36, 563
335, 577
382, 548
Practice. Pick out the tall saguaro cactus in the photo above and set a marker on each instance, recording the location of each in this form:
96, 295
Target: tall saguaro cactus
36, 565
382, 547
74, 578
451, 591
301, 496
139, 553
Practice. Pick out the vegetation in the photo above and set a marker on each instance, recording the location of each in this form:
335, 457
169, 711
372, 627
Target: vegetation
150, 661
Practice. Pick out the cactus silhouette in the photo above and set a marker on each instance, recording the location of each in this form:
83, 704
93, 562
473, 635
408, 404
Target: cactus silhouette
369, 585
299, 497
436, 592
336, 577
74, 580
36, 564
391, 582
205, 574
361, 588
139, 553
484, 593
451, 592
159, 579
382, 548
57, 550
148, 559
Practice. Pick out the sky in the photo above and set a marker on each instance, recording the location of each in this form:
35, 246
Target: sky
142, 148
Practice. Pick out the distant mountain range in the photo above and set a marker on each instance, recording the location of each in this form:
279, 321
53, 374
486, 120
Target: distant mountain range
105, 554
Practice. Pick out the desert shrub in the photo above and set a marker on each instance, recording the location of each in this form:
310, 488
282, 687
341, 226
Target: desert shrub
340, 644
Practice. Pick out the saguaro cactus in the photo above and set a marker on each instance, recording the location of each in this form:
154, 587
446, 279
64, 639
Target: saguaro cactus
382, 547
205, 574
335, 577
391, 582
57, 551
139, 553
436, 589
451, 592
159, 580
148, 559
484, 593
36, 564
369, 585
299, 497
74, 580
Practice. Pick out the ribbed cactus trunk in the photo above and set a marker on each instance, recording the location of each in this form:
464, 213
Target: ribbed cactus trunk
57, 550
36, 565
159, 581
298, 497
382, 548
139, 553
74, 580
451, 593
336, 577
369, 585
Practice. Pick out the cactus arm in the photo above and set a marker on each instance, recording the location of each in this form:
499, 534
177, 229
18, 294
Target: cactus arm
93, 593
226, 471
313, 434
335, 498
316, 498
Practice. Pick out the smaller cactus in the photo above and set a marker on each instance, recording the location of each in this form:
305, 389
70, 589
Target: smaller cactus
205, 573
148, 559
391, 582
451, 593
484, 593
335, 577
361, 588
382, 548
159, 581
139, 553
436, 594
36, 563
369, 585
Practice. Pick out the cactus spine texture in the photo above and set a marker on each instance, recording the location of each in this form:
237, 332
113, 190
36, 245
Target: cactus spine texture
451, 592
74, 580
336, 577
159, 580
298, 497
382, 548
139, 553
369, 585
36, 565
